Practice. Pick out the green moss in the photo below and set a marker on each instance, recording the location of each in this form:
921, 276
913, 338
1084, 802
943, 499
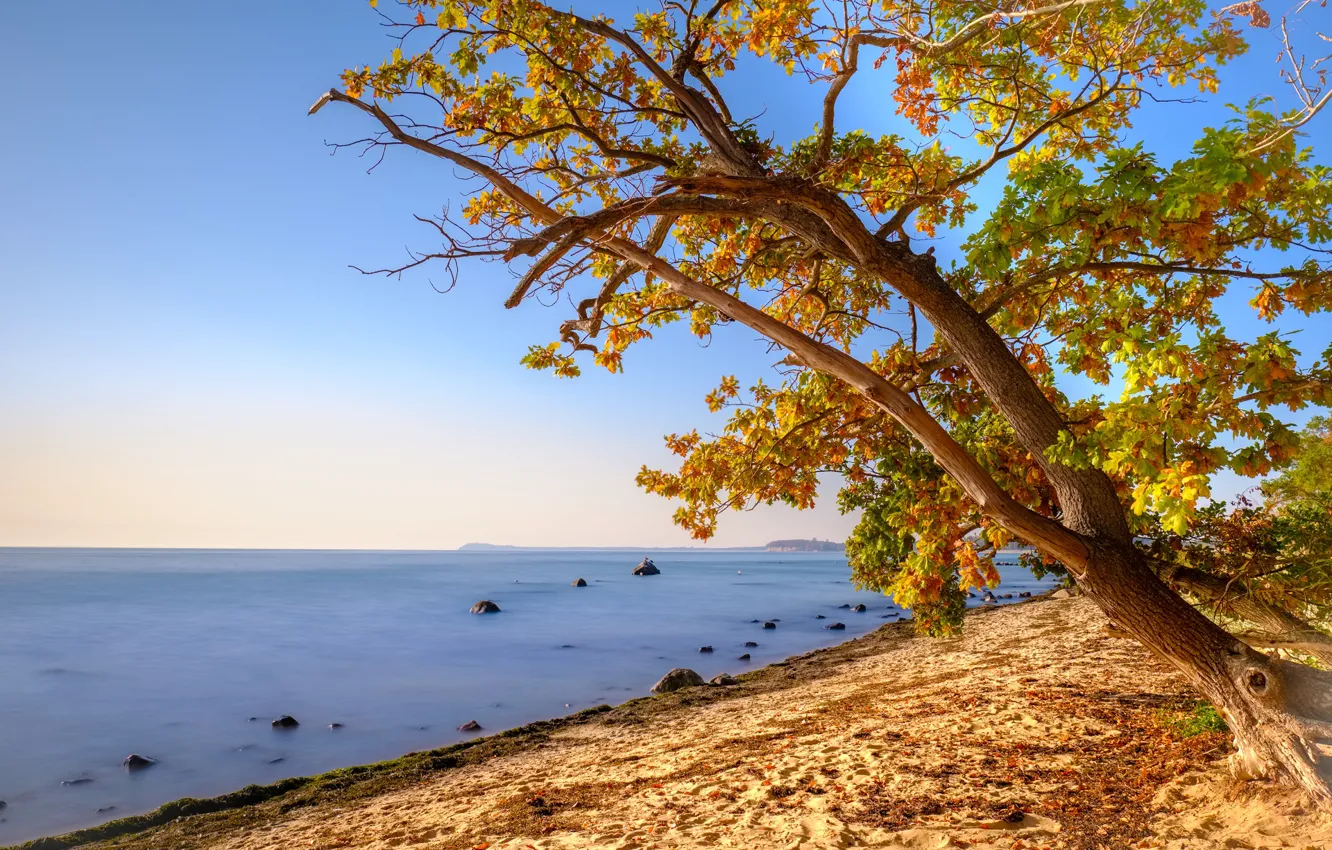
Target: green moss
1202, 720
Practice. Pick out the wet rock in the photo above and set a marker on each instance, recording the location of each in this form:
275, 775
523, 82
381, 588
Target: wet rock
567, 646
859, 609
847, 605
836, 627
680, 677
254, 720
470, 726
1007, 596
286, 721
335, 725
134, 761
755, 621
769, 625
3, 805
751, 643
278, 760
724, 679
104, 809
485, 606
705, 649
82, 780
820, 617
646, 568
579, 583
988, 597
744, 657
1024, 594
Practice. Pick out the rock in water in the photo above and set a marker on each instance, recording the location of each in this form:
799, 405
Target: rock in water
847, 605
335, 725
744, 657
860, 609
836, 627
134, 761
646, 568
286, 721
3, 805
820, 617
680, 677
1024, 594
723, 679
580, 583
750, 643
470, 726
82, 780
769, 625
705, 649
485, 606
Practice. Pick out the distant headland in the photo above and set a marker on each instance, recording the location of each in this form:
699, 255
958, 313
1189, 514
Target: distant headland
814, 545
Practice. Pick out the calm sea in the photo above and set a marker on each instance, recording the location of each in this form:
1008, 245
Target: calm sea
171, 653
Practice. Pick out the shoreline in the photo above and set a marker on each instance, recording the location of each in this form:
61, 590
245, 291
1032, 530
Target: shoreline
417, 765
1032, 730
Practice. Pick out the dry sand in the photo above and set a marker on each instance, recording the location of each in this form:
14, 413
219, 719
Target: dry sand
1032, 730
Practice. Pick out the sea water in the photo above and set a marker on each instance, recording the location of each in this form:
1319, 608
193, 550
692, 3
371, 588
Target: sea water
186, 656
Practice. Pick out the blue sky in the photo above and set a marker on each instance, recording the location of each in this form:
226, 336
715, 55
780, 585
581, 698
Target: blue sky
187, 360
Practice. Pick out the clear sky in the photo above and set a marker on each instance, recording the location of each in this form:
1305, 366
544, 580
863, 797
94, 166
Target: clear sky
187, 360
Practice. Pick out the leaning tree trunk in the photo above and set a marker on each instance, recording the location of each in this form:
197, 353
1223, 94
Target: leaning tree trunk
1279, 627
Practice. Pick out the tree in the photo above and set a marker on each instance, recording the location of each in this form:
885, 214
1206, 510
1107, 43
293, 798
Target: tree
609, 155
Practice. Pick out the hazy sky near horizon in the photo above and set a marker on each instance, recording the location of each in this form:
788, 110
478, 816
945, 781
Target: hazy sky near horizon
187, 360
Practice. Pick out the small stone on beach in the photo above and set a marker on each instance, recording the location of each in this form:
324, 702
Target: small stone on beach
680, 677
723, 679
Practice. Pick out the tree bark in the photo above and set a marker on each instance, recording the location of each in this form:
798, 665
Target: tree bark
1279, 627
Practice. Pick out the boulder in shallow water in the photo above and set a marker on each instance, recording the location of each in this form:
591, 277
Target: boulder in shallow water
723, 679
860, 609
1007, 596
847, 605
750, 643
836, 627
286, 721
278, 760
579, 583
820, 617
335, 725
1024, 594
134, 761
744, 657
104, 809
3, 805
705, 649
769, 625
680, 677
646, 568
470, 726
82, 780
485, 606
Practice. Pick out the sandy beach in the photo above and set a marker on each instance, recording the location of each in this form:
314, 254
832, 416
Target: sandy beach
1032, 730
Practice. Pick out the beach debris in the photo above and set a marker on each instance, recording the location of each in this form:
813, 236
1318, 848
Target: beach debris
770, 625
286, 721
751, 643
646, 568
470, 726
724, 679
579, 583
744, 657
836, 627
82, 780
335, 725
485, 606
860, 609
134, 761
705, 649
680, 677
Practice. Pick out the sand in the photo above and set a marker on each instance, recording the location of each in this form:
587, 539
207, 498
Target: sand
1032, 730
